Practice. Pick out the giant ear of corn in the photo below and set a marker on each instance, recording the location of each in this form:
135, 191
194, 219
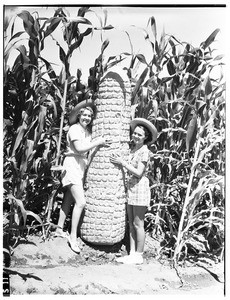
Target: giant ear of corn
105, 216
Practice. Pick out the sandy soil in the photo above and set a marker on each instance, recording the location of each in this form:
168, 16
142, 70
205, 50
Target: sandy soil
51, 268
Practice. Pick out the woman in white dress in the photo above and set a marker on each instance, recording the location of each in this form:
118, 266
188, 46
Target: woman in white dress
79, 143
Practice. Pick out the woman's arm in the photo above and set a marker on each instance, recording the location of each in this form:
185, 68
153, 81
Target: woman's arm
82, 147
138, 172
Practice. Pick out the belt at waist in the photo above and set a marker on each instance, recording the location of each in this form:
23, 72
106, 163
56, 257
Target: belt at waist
75, 155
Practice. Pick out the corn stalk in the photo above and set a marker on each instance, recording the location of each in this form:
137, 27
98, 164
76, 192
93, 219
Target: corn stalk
51, 199
34, 110
61, 123
174, 103
178, 246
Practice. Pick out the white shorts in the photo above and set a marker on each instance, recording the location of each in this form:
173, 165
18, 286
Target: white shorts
73, 170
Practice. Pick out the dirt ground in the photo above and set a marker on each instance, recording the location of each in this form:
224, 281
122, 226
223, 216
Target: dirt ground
51, 268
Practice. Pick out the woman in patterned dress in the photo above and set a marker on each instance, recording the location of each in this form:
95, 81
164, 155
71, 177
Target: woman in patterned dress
78, 145
138, 190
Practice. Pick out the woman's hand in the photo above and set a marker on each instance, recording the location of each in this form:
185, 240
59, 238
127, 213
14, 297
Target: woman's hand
116, 159
104, 142
86, 146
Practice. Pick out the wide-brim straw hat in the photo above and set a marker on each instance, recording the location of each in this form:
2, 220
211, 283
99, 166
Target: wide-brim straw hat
74, 113
152, 129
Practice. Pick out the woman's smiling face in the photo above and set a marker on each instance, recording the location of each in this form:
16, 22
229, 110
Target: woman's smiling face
138, 136
85, 118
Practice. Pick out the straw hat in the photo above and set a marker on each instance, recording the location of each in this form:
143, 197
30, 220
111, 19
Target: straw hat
74, 113
148, 125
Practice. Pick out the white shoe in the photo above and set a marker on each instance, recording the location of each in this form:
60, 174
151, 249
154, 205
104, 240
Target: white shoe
60, 233
73, 245
135, 259
122, 259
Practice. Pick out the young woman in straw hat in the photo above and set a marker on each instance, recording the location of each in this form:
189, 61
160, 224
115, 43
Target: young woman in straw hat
144, 133
78, 145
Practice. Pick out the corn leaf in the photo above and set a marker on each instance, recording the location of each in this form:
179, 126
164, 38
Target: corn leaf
171, 67
131, 45
191, 133
41, 119
30, 213
54, 22
195, 244
20, 134
80, 20
141, 58
82, 11
50, 70
139, 82
28, 22
6, 250
153, 26
87, 32
155, 107
104, 45
173, 47
208, 86
62, 54
24, 56
16, 35
26, 156
218, 57
165, 79
75, 45
23, 211
113, 63
210, 39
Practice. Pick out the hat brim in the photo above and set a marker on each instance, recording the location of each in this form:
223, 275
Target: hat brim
152, 129
75, 110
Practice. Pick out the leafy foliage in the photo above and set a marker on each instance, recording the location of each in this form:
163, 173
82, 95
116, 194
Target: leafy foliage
187, 108
33, 107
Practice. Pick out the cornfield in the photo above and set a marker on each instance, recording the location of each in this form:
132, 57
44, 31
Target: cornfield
187, 106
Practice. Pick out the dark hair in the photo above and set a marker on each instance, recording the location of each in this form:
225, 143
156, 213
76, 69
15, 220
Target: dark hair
148, 134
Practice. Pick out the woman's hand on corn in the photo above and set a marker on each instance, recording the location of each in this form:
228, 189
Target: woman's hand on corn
104, 141
116, 159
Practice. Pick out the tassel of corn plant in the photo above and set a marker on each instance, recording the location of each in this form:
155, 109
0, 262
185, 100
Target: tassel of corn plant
104, 216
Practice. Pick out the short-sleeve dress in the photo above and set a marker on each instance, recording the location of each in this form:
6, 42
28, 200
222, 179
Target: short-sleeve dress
75, 163
138, 188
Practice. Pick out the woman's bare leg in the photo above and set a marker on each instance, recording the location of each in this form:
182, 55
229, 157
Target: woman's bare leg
136, 216
65, 208
138, 222
132, 231
79, 204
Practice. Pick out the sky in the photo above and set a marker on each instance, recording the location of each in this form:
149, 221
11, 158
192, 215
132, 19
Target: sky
189, 24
